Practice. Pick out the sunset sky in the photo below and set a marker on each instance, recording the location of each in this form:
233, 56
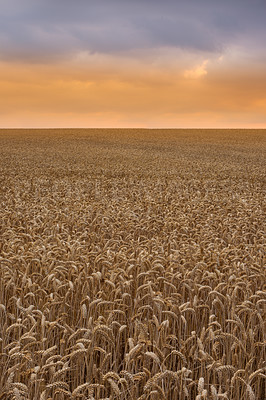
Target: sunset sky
133, 63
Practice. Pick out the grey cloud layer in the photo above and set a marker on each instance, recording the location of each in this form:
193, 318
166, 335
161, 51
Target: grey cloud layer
39, 30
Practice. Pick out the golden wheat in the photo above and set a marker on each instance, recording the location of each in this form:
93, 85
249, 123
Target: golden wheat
132, 264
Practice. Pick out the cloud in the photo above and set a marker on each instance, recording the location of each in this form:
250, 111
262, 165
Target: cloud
197, 72
143, 90
46, 30
132, 63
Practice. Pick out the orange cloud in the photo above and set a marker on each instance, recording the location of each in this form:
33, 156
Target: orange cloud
110, 92
197, 72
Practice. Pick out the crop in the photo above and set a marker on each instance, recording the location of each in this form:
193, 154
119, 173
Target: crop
132, 264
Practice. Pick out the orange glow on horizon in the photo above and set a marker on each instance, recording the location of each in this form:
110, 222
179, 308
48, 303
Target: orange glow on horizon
109, 92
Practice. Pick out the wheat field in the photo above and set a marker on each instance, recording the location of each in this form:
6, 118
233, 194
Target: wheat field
132, 264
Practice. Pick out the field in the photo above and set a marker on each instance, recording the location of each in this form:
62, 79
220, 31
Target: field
132, 264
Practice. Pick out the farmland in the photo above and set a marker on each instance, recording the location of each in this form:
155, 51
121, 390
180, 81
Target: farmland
132, 264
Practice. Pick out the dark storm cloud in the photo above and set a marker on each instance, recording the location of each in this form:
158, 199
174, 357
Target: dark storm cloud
39, 30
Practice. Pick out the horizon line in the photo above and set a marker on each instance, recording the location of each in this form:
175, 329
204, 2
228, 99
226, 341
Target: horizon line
139, 127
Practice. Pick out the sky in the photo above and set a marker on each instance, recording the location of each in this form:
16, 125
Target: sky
133, 63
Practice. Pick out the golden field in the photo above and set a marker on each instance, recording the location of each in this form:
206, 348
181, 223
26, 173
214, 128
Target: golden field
132, 264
